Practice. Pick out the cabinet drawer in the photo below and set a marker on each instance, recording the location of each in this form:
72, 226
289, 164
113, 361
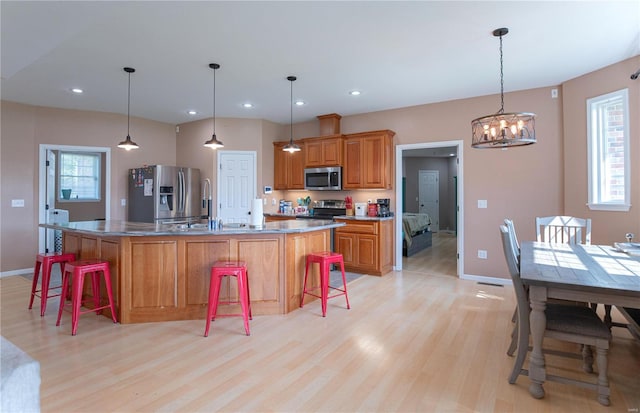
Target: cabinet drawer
358, 227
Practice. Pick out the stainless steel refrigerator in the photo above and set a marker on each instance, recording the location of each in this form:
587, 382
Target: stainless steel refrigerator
164, 194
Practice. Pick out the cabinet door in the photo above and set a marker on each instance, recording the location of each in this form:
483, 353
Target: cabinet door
367, 254
313, 154
280, 167
374, 163
332, 152
351, 173
296, 168
345, 244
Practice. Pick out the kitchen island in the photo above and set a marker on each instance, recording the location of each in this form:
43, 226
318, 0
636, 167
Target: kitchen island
160, 272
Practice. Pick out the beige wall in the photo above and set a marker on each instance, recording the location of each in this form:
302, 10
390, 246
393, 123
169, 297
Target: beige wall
237, 135
25, 128
520, 183
607, 226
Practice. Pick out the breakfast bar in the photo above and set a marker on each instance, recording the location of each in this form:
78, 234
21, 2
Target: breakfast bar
161, 272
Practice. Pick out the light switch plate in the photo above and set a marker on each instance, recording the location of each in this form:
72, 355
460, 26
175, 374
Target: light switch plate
17, 203
482, 203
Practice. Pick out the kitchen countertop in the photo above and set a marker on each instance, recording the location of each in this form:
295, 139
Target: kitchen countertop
126, 228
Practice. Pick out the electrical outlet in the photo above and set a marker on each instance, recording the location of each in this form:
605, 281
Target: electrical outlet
264, 201
123, 202
17, 203
482, 254
273, 201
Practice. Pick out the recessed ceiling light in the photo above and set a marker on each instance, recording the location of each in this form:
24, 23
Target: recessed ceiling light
300, 102
77, 90
354, 92
192, 112
247, 105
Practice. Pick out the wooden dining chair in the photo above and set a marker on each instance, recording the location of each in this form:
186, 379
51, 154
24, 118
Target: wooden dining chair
575, 324
563, 230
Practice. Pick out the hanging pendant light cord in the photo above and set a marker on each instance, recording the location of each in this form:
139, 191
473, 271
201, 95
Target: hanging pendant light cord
291, 122
501, 80
214, 102
128, 102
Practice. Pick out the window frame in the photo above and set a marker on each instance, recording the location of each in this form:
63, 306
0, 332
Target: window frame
97, 176
595, 143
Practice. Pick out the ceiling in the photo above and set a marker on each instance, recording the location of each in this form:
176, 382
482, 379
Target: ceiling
397, 53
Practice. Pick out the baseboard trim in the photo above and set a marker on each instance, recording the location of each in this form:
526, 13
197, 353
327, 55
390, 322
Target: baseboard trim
15, 272
484, 279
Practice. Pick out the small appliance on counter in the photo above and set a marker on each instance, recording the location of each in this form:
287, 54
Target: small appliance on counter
361, 209
383, 207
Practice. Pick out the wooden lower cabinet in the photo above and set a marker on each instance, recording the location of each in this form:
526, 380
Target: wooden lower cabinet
164, 278
366, 245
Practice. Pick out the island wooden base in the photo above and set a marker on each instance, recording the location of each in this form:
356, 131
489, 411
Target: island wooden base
164, 278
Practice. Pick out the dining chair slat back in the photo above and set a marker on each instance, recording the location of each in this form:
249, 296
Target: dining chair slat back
563, 230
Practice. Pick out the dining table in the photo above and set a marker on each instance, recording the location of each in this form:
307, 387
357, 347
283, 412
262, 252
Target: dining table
600, 274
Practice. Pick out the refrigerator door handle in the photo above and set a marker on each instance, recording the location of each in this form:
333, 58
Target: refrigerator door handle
181, 194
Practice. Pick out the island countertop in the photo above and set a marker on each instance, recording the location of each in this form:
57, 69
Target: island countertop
126, 228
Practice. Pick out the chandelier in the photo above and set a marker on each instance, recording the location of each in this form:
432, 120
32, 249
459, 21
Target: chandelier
503, 129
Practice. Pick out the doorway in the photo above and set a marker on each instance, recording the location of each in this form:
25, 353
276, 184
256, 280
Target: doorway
459, 200
46, 187
236, 185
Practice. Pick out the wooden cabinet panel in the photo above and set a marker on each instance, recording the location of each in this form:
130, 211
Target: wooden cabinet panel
326, 151
288, 168
368, 160
366, 246
155, 285
199, 255
352, 171
367, 251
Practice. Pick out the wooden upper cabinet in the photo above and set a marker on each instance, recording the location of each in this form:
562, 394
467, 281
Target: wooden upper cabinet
368, 160
325, 151
288, 168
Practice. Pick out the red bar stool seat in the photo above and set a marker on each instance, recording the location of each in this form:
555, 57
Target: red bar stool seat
78, 269
45, 262
324, 259
222, 269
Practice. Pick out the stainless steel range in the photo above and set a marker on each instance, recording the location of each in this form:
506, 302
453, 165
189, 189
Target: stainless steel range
326, 209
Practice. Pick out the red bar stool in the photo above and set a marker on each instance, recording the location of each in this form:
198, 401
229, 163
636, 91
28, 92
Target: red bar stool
325, 259
78, 269
46, 261
236, 269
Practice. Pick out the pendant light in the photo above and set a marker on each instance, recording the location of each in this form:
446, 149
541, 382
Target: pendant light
128, 144
214, 143
291, 147
503, 129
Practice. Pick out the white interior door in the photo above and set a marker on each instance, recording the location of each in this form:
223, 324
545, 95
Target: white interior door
429, 196
236, 185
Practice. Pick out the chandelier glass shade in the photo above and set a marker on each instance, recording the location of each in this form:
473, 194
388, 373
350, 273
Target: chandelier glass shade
214, 143
291, 146
128, 144
503, 129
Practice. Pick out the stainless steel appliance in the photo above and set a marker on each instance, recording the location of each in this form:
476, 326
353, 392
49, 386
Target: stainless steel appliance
326, 209
323, 179
164, 194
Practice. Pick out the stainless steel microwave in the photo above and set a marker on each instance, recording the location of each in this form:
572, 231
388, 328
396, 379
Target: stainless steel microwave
323, 179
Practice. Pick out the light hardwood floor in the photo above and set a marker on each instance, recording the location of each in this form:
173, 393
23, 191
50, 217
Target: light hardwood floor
413, 341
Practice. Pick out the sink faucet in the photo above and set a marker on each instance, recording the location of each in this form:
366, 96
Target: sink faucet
206, 191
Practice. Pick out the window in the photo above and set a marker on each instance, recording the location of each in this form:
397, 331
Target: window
79, 178
608, 151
